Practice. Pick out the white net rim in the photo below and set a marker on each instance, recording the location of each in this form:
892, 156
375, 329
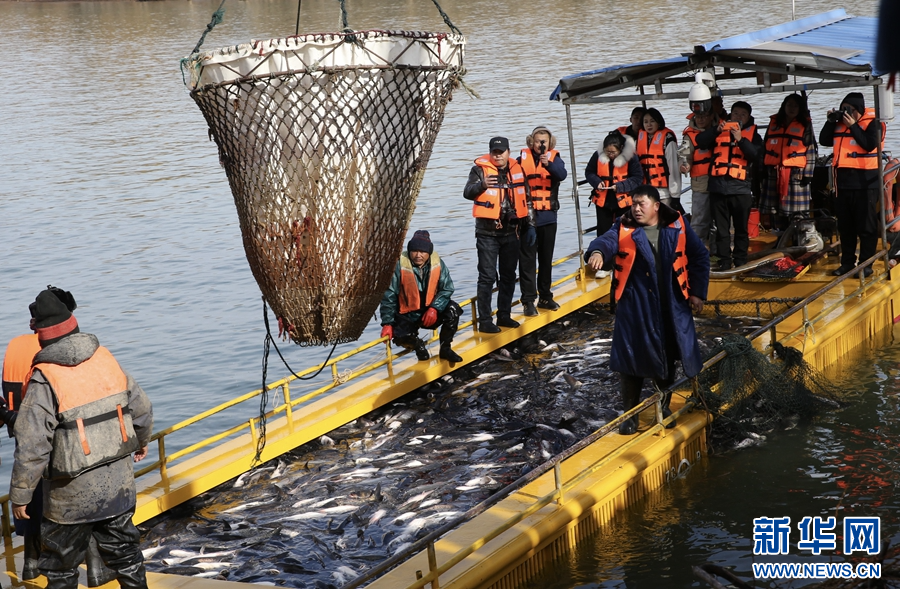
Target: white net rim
372, 49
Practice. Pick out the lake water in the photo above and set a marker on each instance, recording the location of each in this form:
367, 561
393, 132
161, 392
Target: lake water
110, 188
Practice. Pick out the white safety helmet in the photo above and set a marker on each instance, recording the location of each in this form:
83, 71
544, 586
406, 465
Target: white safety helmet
699, 96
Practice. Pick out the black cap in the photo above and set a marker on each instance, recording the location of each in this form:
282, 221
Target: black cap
856, 100
499, 144
52, 315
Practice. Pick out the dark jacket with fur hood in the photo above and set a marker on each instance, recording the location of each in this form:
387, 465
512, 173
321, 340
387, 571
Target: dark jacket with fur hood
635, 172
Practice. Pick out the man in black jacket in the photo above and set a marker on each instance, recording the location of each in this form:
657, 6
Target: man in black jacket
736, 147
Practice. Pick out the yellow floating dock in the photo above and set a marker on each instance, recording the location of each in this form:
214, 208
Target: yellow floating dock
508, 543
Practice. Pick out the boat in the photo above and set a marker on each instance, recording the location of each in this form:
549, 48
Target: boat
503, 542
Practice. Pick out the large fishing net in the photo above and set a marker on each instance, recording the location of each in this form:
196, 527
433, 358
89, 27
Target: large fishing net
325, 139
751, 395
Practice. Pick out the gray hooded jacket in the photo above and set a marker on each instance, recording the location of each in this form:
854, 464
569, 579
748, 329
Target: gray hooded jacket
100, 493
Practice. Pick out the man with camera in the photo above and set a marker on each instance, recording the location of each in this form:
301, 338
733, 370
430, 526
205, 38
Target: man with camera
855, 140
544, 170
735, 147
503, 213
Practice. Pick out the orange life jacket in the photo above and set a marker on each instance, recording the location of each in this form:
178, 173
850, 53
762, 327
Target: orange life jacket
17, 366
728, 159
628, 252
410, 297
653, 157
94, 423
784, 147
538, 179
487, 204
610, 174
701, 158
847, 154
623, 130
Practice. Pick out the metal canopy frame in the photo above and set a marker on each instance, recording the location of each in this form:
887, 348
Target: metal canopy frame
737, 62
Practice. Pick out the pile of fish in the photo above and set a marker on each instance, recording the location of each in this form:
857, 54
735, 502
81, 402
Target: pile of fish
329, 510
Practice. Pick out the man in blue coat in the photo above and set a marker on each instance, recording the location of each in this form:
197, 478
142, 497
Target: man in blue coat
661, 275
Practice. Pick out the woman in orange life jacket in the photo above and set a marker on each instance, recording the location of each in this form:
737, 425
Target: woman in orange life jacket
614, 171
695, 162
637, 123
855, 165
661, 276
735, 148
788, 162
657, 148
544, 170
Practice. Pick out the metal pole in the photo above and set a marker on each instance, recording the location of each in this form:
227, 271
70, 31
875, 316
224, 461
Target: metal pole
575, 185
877, 122
643, 102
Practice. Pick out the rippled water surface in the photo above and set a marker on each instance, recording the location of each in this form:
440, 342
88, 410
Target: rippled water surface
110, 188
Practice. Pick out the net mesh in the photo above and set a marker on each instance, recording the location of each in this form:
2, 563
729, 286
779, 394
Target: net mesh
743, 300
751, 395
325, 139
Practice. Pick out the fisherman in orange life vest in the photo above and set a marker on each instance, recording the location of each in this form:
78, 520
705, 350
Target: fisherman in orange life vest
419, 296
80, 420
696, 162
544, 170
853, 133
790, 161
736, 146
16, 367
614, 171
637, 123
661, 275
503, 213
657, 149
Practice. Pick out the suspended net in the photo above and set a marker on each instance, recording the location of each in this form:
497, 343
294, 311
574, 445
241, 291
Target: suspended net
751, 395
325, 139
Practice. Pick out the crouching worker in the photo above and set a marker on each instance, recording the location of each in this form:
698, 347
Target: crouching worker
419, 296
661, 275
80, 420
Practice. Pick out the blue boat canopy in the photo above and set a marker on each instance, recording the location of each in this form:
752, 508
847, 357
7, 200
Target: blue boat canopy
834, 49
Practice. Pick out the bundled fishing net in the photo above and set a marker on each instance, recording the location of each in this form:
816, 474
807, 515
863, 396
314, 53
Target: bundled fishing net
325, 139
750, 394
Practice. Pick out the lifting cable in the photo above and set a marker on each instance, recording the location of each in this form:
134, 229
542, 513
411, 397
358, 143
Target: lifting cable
264, 397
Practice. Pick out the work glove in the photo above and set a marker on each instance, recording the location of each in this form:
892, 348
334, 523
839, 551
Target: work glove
530, 236
387, 331
805, 181
6, 416
430, 317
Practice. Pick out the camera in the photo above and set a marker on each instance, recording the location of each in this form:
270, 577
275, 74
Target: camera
838, 115
543, 147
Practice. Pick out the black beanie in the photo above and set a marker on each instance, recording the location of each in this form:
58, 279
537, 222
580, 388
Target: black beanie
856, 100
421, 242
52, 314
744, 105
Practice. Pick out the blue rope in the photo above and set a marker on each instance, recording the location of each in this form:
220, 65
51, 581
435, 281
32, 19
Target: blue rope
217, 17
446, 18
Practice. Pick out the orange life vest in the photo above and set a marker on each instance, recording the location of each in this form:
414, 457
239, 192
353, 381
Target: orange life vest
94, 423
410, 297
17, 366
628, 252
538, 179
610, 174
847, 153
623, 130
728, 159
653, 157
784, 147
701, 158
487, 204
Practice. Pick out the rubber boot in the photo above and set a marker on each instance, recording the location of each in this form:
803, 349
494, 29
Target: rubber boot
631, 396
97, 572
32, 554
449, 355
